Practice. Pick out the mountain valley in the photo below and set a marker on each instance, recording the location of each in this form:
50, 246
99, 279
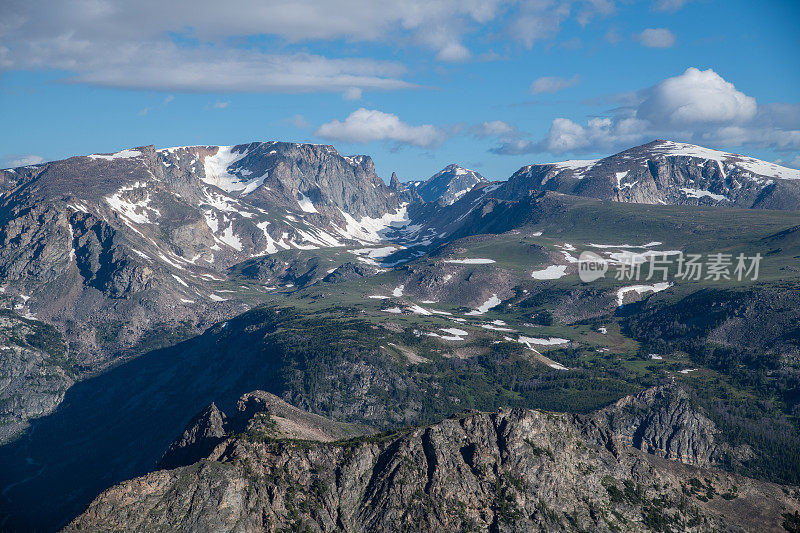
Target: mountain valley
403, 339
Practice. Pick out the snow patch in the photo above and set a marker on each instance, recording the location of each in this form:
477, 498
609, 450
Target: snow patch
123, 154
220, 171
132, 212
475, 261
494, 301
640, 289
375, 253
368, 229
551, 272
550, 341
305, 204
579, 167
699, 193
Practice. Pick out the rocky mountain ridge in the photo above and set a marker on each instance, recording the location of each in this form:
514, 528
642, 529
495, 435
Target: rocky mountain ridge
666, 172
152, 228
511, 470
257, 412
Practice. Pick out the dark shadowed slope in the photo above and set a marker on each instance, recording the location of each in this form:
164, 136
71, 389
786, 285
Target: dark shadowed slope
128, 417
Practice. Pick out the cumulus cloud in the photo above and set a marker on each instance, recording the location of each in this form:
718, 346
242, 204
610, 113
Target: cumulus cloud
564, 136
22, 161
551, 84
494, 128
656, 38
366, 125
696, 96
697, 106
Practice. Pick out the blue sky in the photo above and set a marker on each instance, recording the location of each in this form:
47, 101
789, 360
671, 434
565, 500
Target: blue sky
492, 85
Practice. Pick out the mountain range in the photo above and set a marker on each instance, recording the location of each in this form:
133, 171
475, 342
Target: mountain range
145, 284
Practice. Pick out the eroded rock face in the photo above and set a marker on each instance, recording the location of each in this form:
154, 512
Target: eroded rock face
199, 439
33, 378
257, 413
513, 470
661, 421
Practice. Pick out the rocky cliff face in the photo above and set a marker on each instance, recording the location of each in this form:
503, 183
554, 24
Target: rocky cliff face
666, 172
257, 413
512, 470
33, 372
308, 178
661, 421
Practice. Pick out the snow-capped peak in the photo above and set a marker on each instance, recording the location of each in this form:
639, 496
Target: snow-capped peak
449, 184
749, 164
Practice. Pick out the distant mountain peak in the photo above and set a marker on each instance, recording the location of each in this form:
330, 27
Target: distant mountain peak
449, 184
669, 172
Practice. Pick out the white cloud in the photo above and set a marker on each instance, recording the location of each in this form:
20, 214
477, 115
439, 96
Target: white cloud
170, 68
195, 45
696, 96
352, 93
221, 104
202, 45
592, 8
656, 38
697, 106
453, 52
494, 128
551, 84
22, 161
564, 135
366, 125
537, 20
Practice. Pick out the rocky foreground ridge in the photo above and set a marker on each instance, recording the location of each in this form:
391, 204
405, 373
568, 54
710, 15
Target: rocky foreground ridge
513, 470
